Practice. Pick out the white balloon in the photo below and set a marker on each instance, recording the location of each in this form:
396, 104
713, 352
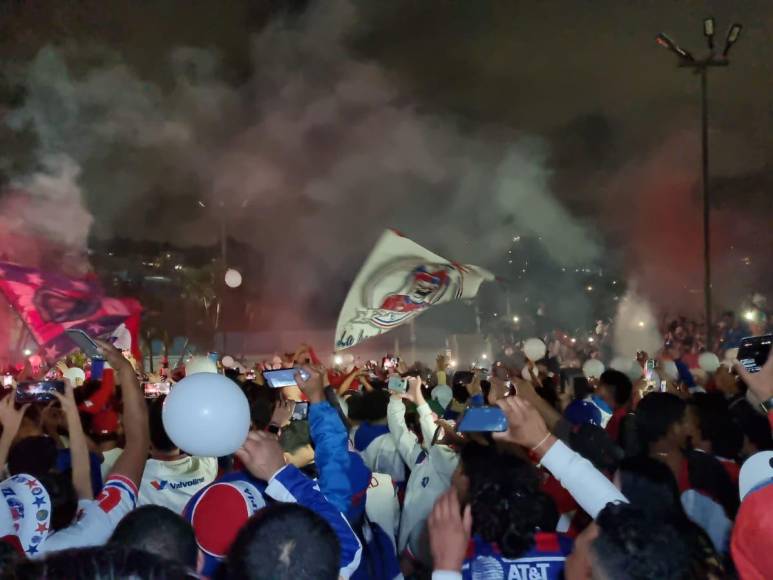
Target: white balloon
200, 364
534, 349
75, 375
592, 368
634, 371
206, 415
526, 375
708, 361
670, 369
228, 362
620, 363
233, 279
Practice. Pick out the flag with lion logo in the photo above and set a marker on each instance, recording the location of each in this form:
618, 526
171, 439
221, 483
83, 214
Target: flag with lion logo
400, 280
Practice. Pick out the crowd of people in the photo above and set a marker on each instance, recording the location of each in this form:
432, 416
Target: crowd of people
364, 473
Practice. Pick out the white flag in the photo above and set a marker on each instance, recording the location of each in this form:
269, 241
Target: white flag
399, 281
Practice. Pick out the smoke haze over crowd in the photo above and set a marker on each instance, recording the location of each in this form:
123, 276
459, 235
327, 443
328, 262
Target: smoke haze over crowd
323, 139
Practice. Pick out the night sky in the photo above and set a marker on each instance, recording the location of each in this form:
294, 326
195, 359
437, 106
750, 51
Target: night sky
616, 121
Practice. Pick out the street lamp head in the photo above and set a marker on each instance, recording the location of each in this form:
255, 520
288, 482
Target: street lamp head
732, 37
708, 31
667, 42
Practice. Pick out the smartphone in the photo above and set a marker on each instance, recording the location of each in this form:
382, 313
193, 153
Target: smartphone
84, 342
155, 390
38, 391
663, 386
483, 419
397, 383
7, 380
390, 362
649, 367
300, 411
754, 352
279, 378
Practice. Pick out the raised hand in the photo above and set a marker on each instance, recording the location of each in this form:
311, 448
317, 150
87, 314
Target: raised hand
449, 532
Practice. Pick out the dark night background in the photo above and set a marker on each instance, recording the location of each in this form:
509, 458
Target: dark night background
167, 109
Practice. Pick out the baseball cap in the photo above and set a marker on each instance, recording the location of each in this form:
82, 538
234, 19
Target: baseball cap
756, 471
104, 422
25, 511
219, 511
35, 456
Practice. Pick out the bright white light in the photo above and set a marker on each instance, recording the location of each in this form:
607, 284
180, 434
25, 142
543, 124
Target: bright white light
517, 238
589, 288
27, 352
590, 339
452, 363
516, 319
749, 315
495, 315
484, 356
573, 340
338, 359
641, 324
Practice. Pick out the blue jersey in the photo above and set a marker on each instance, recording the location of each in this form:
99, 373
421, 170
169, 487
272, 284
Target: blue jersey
545, 561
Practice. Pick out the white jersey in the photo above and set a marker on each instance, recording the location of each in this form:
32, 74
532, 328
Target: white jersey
172, 483
96, 518
108, 460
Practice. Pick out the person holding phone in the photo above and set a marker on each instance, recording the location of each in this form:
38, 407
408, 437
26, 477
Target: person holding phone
99, 516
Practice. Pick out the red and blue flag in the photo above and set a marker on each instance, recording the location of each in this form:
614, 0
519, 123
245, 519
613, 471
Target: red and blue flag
49, 304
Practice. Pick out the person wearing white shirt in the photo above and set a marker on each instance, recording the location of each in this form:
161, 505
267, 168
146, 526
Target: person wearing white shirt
171, 477
431, 465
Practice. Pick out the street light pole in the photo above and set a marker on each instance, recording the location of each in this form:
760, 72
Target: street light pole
701, 68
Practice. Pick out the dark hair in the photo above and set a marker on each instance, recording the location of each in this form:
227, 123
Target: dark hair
595, 445
548, 391
650, 485
34, 456
582, 388
503, 494
655, 415
459, 384
9, 555
619, 383
160, 531
158, 435
99, 563
64, 499
356, 412
633, 546
295, 436
284, 541
716, 424
756, 428
374, 405
261, 401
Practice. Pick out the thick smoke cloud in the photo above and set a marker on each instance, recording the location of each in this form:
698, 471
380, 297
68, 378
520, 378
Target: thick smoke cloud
307, 160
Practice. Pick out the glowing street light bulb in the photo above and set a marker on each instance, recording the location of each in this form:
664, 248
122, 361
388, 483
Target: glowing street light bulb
338, 359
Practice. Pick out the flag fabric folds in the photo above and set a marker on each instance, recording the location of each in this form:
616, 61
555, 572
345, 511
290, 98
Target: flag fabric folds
399, 280
48, 304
